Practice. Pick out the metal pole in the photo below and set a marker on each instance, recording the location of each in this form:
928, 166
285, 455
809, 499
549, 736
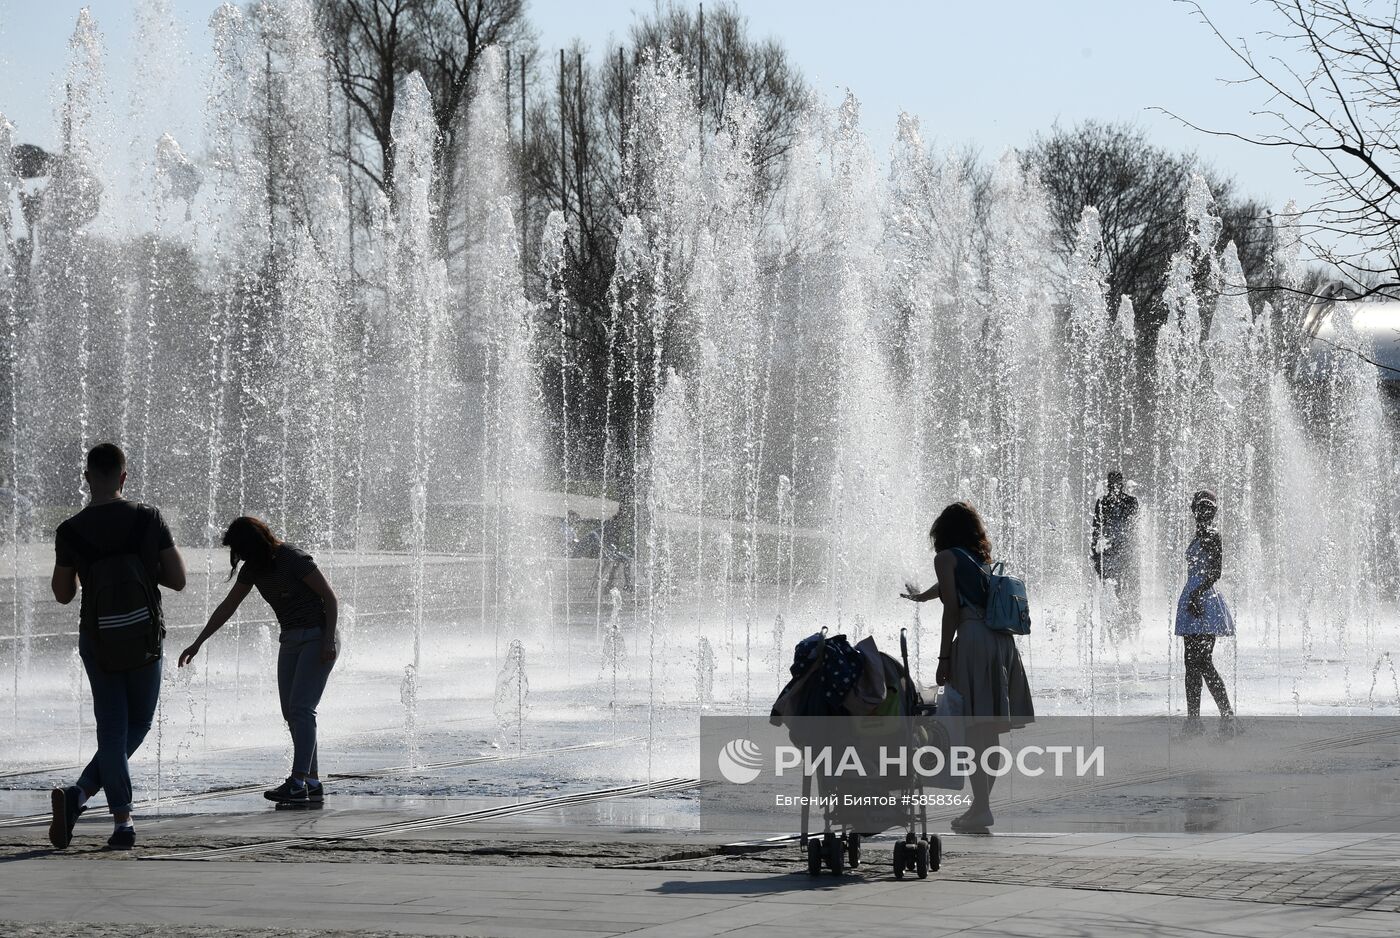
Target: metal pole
349, 176
700, 85
524, 191
621, 107
563, 149
579, 138
67, 121
267, 130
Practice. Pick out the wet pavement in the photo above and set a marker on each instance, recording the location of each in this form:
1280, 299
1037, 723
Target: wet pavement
608, 867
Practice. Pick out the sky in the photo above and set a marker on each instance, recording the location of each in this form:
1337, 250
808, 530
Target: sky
989, 74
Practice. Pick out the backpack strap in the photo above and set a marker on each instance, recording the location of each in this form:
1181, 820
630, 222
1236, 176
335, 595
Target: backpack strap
984, 569
138, 530
85, 548
89, 552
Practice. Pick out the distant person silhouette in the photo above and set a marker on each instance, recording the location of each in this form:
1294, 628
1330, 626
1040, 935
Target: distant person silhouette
576, 536
598, 540
1113, 544
121, 552
1201, 615
306, 609
616, 561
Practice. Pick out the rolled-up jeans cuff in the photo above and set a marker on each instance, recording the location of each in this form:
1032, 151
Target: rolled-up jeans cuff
92, 787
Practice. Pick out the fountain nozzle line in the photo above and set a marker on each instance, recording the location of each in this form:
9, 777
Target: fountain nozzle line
448, 820
372, 773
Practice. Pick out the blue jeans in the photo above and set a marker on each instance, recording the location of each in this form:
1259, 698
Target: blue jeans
124, 704
301, 679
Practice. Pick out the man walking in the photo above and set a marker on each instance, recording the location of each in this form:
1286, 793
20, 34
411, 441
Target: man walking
1113, 545
121, 552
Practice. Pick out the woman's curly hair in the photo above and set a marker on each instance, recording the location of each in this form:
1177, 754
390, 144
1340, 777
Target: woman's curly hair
959, 525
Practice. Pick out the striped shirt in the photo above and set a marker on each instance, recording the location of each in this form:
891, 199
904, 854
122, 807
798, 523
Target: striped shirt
296, 605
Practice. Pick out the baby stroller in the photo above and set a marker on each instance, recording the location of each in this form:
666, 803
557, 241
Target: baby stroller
833, 679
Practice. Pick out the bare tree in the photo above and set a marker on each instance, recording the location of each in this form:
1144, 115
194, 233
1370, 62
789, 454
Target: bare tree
451, 38
374, 45
573, 161
730, 65
572, 147
1335, 111
370, 44
1140, 190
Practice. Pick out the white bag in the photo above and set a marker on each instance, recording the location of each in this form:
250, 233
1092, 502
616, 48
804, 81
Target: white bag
948, 702
947, 731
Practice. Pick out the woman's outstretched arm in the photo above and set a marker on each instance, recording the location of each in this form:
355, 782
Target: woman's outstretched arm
912, 592
221, 614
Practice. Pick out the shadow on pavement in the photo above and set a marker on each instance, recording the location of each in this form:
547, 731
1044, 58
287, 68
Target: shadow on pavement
757, 884
30, 854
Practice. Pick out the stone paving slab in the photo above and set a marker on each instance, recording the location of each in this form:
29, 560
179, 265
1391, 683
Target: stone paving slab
44, 898
1323, 870
556, 879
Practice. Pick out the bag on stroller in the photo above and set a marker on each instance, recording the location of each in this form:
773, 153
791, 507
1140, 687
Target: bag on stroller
873, 706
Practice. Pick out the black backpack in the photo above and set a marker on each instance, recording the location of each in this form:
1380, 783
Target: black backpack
121, 605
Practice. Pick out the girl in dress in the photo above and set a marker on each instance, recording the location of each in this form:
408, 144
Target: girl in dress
1201, 615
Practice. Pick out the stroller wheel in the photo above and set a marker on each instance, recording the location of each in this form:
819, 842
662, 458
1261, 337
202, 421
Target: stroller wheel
814, 857
853, 850
921, 858
899, 859
835, 854
935, 851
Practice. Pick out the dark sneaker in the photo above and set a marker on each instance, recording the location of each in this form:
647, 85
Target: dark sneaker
316, 794
973, 821
65, 814
123, 838
289, 792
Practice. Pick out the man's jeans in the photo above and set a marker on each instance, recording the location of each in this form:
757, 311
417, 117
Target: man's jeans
301, 679
124, 704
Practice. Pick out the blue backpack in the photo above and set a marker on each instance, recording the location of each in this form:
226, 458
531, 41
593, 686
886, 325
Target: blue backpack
1008, 607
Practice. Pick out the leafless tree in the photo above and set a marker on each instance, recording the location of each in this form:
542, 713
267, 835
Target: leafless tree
453, 36
374, 45
730, 65
371, 47
573, 161
1331, 84
1139, 189
577, 116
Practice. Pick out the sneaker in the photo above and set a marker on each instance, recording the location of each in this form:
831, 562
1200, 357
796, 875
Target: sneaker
1230, 726
1192, 727
973, 821
65, 814
316, 794
123, 838
289, 792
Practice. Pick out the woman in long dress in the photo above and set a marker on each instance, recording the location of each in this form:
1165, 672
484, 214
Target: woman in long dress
982, 665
